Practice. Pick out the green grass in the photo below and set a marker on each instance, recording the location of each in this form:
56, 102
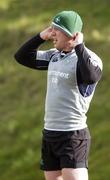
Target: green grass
22, 90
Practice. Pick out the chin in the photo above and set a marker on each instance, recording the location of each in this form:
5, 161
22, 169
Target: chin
58, 48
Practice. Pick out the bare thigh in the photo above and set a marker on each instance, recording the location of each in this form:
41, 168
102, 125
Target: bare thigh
75, 174
53, 175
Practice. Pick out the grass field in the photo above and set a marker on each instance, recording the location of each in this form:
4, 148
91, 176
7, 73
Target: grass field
22, 91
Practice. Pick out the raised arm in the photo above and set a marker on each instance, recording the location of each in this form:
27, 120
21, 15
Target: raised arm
27, 54
89, 66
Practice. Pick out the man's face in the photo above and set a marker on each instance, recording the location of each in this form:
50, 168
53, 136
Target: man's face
60, 39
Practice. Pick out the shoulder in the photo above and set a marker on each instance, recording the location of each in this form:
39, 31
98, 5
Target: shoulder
95, 59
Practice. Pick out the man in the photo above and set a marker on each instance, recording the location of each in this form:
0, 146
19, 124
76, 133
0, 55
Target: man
73, 73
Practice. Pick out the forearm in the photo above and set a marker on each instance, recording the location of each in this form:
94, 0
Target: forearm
26, 55
87, 72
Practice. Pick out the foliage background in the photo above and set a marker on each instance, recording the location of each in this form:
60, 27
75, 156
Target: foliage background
22, 91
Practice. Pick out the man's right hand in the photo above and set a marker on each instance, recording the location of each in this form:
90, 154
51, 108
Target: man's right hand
46, 34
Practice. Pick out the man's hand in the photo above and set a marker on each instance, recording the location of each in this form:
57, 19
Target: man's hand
46, 34
77, 38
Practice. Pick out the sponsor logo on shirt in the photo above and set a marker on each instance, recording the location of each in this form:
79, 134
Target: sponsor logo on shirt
56, 74
59, 74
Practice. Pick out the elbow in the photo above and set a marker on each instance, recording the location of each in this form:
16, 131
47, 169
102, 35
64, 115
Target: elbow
15, 57
18, 58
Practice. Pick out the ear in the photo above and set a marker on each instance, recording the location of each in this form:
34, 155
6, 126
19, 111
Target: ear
71, 42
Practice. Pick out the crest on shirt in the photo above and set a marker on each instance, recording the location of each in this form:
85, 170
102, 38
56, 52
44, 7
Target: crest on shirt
54, 58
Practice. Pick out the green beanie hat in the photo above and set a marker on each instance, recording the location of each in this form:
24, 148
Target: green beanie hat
68, 21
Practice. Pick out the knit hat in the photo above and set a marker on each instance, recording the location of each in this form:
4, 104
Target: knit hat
68, 21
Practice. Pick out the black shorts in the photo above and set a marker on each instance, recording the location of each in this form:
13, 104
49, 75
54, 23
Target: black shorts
65, 149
